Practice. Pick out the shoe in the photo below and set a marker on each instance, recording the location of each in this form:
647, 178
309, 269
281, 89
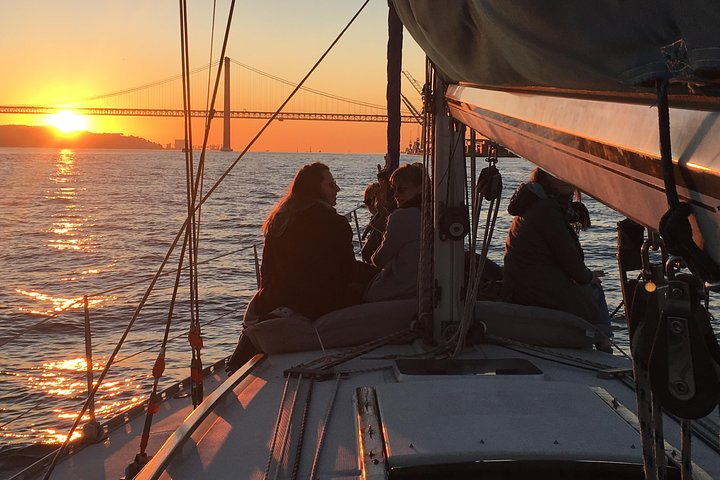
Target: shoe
604, 347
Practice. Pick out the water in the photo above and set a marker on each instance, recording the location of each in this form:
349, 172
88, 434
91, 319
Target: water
91, 222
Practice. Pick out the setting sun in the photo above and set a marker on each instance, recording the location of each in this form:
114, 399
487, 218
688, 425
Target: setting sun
67, 121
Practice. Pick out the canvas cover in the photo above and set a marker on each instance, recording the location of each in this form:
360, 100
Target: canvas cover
606, 46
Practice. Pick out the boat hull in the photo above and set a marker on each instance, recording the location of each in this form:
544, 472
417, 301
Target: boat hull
608, 150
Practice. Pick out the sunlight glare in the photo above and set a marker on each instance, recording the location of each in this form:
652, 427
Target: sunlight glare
67, 121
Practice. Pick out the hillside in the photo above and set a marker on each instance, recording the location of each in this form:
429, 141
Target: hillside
47, 137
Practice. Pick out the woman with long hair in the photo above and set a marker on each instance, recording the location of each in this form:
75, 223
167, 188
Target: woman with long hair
308, 262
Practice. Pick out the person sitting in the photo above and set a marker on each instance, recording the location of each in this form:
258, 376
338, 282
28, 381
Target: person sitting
372, 235
308, 263
544, 264
399, 253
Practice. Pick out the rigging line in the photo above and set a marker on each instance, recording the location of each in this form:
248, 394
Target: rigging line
201, 173
212, 44
195, 233
190, 181
211, 114
554, 360
100, 379
161, 355
324, 428
194, 336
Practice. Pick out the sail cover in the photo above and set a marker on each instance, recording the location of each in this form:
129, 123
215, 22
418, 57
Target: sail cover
601, 46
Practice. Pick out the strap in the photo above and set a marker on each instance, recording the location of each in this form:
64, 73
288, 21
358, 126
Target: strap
675, 225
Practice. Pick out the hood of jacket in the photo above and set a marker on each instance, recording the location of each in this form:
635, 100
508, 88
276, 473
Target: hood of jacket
525, 195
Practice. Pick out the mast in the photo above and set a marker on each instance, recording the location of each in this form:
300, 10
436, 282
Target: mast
449, 214
394, 67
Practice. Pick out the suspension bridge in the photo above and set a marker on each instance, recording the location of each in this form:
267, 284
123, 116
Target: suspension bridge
248, 93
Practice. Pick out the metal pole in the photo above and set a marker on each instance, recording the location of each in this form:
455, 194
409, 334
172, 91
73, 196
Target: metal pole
685, 449
357, 228
88, 358
257, 265
473, 199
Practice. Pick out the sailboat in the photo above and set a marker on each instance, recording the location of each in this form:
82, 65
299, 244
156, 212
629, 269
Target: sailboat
620, 101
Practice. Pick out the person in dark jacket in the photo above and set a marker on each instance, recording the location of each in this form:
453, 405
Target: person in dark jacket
544, 263
308, 262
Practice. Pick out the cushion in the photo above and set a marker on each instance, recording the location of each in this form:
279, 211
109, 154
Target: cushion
534, 325
348, 326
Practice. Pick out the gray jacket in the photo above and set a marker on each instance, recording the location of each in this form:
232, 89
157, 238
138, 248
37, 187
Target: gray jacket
398, 257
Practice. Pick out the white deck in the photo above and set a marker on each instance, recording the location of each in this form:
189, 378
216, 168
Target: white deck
425, 420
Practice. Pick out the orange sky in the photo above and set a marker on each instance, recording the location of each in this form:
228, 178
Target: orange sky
82, 48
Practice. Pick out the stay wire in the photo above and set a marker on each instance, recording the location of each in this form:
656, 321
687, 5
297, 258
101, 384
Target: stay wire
161, 355
190, 184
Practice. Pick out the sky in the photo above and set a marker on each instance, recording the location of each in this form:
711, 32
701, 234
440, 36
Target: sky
83, 48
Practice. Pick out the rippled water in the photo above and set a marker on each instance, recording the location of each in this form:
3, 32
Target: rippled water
92, 222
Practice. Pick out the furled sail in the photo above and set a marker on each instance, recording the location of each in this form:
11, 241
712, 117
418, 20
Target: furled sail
606, 46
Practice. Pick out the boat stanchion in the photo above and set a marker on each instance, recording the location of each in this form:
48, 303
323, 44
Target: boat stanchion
92, 431
357, 228
134, 467
257, 265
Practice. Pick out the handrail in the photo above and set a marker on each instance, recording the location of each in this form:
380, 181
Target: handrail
157, 464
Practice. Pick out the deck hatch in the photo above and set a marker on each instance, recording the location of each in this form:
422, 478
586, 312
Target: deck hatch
407, 368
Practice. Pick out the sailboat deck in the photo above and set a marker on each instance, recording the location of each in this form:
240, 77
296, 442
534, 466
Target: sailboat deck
457, 419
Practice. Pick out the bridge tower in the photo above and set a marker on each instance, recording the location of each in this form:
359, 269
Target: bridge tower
226, 110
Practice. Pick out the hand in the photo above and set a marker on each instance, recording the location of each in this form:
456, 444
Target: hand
596, 276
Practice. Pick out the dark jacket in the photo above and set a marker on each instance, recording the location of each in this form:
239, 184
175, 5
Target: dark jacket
543, 260
311, 266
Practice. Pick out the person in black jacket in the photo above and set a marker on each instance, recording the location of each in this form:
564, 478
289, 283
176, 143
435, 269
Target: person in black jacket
308, 260
544, 262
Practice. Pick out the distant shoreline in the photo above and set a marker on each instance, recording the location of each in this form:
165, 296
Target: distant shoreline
25, 136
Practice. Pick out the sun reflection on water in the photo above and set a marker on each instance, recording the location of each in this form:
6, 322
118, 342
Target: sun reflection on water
60, 304
65, 379
67, 225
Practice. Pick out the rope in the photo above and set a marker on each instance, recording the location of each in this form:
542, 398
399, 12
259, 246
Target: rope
425, 269
301, 433
665, 147
159, 367
278, 421
321, 365
323, 431
490, 189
